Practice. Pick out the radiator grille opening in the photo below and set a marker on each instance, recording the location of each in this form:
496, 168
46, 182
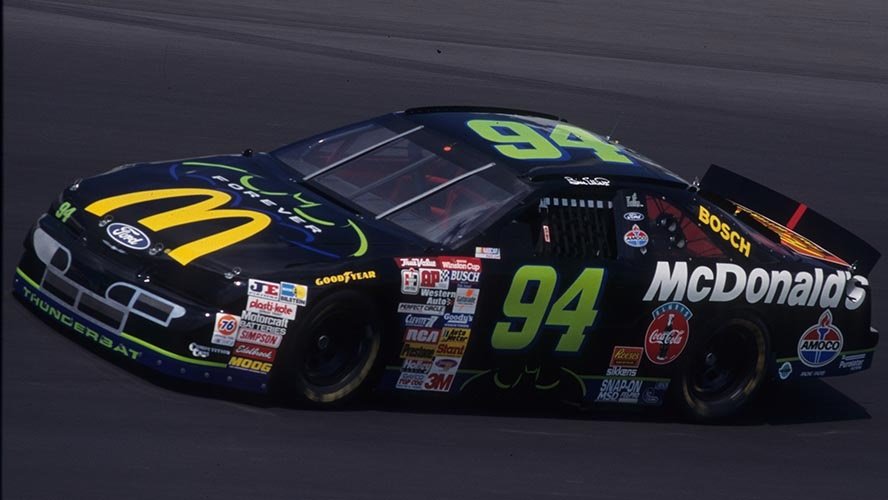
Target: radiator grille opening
101, 311
577, 228
59, 287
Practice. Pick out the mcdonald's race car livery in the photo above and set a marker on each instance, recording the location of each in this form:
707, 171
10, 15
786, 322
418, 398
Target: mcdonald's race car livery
453, 250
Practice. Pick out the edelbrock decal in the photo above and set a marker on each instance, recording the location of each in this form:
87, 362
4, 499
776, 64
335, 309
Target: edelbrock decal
673, 282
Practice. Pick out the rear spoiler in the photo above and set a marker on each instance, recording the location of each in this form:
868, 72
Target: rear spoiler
799, 227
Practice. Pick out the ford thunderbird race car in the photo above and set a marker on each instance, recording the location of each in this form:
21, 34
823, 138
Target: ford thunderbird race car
450, 251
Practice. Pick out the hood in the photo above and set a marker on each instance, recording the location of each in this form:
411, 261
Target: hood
221, 214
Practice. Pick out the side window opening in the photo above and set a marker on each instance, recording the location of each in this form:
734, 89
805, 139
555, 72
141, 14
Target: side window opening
575, 227
678, 230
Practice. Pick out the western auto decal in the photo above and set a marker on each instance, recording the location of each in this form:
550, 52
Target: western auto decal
821, 343
667, 335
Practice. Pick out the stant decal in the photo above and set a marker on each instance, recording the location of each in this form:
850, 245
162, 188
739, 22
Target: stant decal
224, 329
635, 237
821, 343
728, 282
128, 236
667, 335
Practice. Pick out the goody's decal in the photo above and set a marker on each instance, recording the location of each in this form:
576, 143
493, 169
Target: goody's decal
821, 343
667, 335
635, 237
128, 236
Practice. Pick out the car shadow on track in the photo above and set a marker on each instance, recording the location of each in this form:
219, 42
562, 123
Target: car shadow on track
807, 401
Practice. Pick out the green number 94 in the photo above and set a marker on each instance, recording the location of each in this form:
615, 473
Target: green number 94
530, 312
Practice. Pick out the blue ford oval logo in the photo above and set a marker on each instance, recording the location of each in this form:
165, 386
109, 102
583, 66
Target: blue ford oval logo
128, 236
633, 216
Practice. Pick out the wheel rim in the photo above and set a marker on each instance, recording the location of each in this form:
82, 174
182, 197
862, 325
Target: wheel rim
725, 366
339, 347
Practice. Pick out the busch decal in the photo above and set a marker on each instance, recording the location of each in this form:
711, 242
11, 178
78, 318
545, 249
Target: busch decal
821, 343
667, 335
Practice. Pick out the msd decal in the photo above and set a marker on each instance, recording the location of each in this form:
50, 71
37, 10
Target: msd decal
821, 343
667, 335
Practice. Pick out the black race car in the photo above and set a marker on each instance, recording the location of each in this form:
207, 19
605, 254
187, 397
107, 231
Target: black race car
454, 250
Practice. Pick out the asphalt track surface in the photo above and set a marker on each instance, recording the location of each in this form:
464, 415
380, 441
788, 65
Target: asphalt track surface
792, 93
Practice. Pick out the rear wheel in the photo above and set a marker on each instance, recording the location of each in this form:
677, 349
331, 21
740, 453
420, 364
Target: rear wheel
336, 350
725, 372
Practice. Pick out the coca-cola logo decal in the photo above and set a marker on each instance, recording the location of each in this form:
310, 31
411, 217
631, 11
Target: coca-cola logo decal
668, 333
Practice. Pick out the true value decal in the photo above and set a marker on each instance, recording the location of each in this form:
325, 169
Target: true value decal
821, 343
726, 282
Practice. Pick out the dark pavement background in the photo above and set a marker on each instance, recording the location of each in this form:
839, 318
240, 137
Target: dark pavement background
791, 93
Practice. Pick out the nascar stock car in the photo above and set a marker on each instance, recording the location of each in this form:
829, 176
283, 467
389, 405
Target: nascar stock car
453, 250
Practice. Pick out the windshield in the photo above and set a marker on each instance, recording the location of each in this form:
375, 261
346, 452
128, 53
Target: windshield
409, 175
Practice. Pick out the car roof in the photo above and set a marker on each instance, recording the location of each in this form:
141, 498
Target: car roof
451, 121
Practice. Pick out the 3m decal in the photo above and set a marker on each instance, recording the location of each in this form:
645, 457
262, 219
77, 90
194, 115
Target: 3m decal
668, 333
208, 209
521, 142
821, 343
526, 317
727, 282
65, 211
722, 229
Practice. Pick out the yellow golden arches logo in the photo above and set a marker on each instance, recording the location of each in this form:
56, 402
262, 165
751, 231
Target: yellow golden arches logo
207, 209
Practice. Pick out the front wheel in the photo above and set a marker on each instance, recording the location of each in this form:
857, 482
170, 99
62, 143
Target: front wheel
335, 351
724, 372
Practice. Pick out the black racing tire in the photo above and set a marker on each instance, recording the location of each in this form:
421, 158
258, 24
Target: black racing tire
725, 372
336, 352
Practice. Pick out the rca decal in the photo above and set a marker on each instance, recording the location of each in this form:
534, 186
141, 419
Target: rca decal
667, 335
821, 343
728, 282
439, 300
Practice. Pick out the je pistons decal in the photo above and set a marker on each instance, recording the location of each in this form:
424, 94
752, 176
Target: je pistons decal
821, 343
667, 335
